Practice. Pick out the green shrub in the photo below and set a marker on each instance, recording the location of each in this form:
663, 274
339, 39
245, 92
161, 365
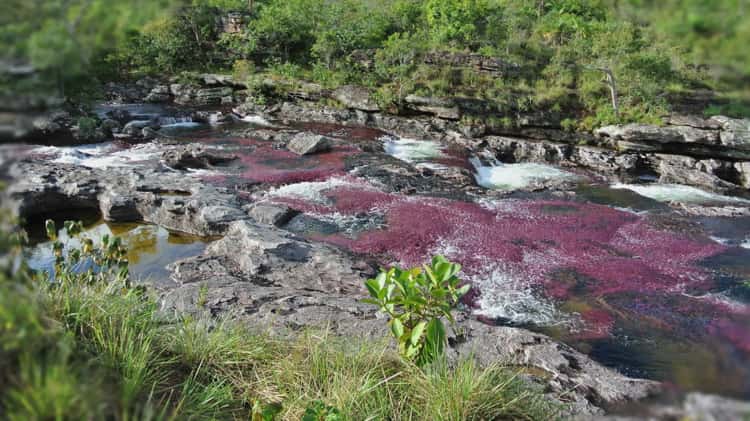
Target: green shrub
87, 127
416, 300
242, 70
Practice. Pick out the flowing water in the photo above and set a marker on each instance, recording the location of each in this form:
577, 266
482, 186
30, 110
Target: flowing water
609, 269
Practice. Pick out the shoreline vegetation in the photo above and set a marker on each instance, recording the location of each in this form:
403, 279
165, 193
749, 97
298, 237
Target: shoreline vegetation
594, 62
91, 346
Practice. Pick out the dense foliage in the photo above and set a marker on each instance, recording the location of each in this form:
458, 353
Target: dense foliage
563, 49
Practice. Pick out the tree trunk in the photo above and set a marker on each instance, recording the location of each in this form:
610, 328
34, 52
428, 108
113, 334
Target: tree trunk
612, 90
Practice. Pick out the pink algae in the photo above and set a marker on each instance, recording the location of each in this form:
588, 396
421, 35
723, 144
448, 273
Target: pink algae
604, 251
260, 162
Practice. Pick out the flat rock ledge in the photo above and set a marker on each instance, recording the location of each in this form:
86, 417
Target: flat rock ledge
156, 195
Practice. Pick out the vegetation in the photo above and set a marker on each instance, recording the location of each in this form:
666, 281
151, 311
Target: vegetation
416, 300
597, 61
86, 345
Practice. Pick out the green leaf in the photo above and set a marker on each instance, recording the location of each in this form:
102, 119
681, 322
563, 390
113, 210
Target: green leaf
416, 333
397, 328
463, 290
371, 301
49, 226
411, 351
380, 280
438, 259
435, 339
373, 288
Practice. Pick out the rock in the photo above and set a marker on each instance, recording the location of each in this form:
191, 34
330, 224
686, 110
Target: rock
440, 107
356, 97
111, 126
194, 156
735, 133
271, 214
147, 133
590, 384
645, 133
121, 115
743, 171
46, 189
693, 121
715, 408
135, 127
159, 93
509, 149
694, 407
686, 170
119, 207
309, 143
211, 79
212, 96
46, 125
125, 194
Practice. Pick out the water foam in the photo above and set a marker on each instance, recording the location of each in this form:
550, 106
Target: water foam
508, 177
412, 150
679, 193
257, 120
104, 155
313, 190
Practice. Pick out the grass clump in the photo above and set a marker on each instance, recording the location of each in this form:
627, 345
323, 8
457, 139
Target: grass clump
95, 347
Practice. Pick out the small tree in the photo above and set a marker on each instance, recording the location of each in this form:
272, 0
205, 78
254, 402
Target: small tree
416, 301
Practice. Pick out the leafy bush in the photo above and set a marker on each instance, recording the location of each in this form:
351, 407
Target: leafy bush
416, 300
242, 70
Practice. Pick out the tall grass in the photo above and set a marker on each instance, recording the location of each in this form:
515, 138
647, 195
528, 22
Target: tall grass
84, 350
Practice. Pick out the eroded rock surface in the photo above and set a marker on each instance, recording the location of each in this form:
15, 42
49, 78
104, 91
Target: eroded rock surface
268, 277
154, 195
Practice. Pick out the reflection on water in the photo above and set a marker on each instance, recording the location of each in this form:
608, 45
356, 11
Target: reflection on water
150, 248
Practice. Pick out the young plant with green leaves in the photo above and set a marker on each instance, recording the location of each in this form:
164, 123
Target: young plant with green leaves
416, 300
87, 263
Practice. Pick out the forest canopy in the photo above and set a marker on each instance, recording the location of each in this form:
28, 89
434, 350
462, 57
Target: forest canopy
565, 51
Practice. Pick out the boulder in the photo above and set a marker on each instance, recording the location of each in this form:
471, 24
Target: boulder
693, 121
743, 170
566, 370
212, 79
440, 107
355, 97
135, 127
159, 93
309, 143
735, 133
705, 173
212, 96
194, 156
270, 213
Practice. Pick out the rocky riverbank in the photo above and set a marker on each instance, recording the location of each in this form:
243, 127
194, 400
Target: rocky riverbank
712, 153
292, 259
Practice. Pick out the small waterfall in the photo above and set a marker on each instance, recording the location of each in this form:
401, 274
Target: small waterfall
184, 121
681, 194
412, 150
490, 173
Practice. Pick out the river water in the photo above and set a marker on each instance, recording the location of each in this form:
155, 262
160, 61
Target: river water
611, 269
